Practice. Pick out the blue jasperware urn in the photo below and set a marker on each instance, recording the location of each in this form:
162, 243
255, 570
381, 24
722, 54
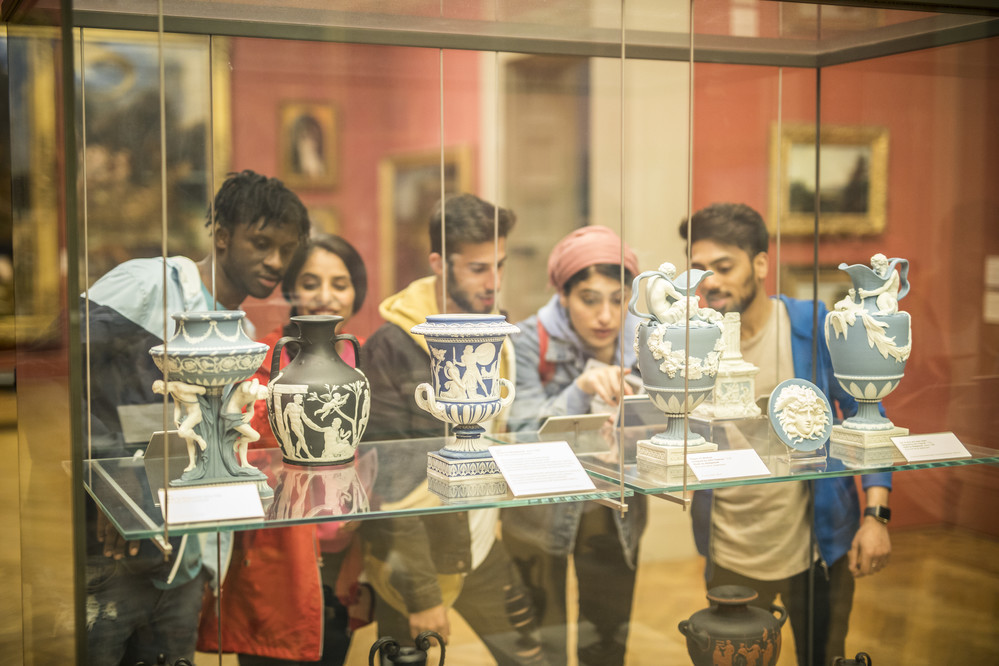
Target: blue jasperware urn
869, 339
678, 346
465, 388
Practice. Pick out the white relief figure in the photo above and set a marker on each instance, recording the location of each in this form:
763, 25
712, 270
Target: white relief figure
471, 377
801, 412
185, 404
335, 440
334, 401
454, 388
243, 396
849, 304
274, 407
887, 293
294, 413
662, 295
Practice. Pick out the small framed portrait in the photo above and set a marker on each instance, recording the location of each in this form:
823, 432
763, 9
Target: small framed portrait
325, 219
853, 174
409, 186
801, 282
308, 143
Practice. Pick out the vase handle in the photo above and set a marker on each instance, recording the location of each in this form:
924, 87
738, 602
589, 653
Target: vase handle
781, 614
510, 392
425, 399
700, 637
632, 304
276, 354
353, 341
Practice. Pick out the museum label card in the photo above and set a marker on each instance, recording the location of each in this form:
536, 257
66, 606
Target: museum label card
199, 504
935, 446
713, 466
542, 468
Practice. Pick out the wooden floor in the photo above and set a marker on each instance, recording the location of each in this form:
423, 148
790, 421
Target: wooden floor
937, 603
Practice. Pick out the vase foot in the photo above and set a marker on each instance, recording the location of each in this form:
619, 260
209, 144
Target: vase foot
464, 478
318, 463
656, 454
866, 438
858, 456
664, 475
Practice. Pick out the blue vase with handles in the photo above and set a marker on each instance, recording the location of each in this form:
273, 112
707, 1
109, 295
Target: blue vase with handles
465, 387
869, 339
678, 345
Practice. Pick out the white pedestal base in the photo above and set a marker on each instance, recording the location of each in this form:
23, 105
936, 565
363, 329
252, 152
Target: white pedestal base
451, 478
856, 456
866, 438
665, 456
666, 475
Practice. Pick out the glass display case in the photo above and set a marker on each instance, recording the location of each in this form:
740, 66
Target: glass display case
852, 129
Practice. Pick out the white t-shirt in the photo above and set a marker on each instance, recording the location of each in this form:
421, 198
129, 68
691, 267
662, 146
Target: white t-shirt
762, 531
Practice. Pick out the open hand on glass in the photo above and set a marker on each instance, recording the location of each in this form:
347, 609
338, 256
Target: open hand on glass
606, 383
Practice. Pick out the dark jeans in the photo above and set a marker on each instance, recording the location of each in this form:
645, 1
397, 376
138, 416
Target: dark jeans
829, 610
131, 620
493, 603
606, 588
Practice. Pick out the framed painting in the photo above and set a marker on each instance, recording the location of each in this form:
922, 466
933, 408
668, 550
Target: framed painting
853, 166
325, 219
121, 164
409, 186
308, 142
833, 284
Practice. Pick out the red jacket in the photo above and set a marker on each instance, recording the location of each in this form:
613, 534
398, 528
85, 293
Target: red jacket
272, 597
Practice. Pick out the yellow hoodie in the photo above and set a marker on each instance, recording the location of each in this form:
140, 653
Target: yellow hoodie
411, 306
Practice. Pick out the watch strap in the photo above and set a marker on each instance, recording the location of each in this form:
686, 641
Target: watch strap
880, 513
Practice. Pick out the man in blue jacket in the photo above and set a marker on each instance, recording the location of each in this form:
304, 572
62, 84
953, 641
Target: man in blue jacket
760, 536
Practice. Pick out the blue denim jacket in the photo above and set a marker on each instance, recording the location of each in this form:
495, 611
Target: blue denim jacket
553, 527
837, 506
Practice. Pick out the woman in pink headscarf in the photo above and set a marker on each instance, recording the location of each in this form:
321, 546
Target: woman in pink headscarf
571, 359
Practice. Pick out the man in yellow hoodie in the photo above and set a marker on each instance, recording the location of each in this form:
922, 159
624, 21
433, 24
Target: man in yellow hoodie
422, 566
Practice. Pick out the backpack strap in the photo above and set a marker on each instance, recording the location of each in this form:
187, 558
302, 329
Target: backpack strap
546, 369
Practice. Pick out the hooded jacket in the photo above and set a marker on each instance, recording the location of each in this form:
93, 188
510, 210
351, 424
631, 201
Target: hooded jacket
553, 527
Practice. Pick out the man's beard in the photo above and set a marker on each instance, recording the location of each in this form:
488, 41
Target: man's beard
460, 297
751, 287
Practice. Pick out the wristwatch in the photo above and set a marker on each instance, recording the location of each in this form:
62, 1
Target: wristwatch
882, 514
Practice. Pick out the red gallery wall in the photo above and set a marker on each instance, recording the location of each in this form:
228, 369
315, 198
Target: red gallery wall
387, 101
940, 108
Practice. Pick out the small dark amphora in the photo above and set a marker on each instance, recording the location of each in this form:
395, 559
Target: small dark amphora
731, 631
317, 404
862, 659
401, 654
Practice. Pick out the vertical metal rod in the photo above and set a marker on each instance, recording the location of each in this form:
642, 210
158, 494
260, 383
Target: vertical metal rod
211, 162
690, 212
218, 597
86, 252
620, 336
164, 249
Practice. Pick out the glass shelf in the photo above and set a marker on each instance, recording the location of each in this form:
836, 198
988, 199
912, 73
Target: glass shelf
757, 434
378, 484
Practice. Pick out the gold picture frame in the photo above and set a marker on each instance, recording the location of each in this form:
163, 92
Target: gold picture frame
833, 284
409, 186
854, 175
308, 142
